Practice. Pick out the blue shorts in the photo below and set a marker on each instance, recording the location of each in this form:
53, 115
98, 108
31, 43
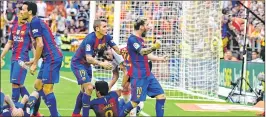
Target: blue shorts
17, 73
50, 71
145, 86
83, 73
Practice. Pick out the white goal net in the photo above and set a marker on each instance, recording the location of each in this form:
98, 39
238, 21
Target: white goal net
189, 32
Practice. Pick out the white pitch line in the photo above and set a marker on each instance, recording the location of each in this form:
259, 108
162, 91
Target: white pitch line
68, 79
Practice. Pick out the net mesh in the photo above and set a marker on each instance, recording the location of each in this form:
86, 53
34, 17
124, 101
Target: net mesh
188, 32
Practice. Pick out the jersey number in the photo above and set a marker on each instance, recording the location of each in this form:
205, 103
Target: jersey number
109, 113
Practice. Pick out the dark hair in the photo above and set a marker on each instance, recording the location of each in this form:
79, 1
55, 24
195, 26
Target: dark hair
97, 22
102, 87
31, 7
256, 52
139, 22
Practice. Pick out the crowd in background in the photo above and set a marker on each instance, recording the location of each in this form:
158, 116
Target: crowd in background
72, 17
233, 30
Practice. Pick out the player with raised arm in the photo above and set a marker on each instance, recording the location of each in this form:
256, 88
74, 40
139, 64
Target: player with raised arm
142, 80
84, 58
20, 41
46, 48
122, 62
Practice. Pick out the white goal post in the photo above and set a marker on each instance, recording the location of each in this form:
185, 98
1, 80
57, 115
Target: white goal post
189, 32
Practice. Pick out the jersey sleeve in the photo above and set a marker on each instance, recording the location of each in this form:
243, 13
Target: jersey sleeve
114, 94
36, 28
110, 41
89, 46
133, 44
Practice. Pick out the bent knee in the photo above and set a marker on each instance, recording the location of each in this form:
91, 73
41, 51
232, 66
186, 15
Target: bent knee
161, 96
48, 88
15, 85
87, 87
38, 85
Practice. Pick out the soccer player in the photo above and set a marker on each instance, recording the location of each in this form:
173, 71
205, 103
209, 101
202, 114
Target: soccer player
106, 104
20, 42
83, 59
142, 80
47, 49
22, 108
123, 62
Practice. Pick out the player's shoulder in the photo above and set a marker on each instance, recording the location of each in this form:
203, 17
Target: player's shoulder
35, 20
132, 38
108, 37
113, 94
90, 36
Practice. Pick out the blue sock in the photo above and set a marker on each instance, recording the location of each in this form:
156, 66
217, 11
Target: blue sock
36, 106
78, 105
86, 108
15, 94
38, 103
50, 101
126, 109
23, 91
160, 107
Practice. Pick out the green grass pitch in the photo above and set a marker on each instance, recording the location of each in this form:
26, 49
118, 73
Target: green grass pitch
66, 92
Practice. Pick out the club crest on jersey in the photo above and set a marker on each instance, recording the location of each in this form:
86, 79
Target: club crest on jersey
88, 47
34, 31
136, 45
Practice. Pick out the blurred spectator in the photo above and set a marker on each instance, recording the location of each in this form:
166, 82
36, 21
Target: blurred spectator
41, 8
82, 16
256, 57
53, 17
61, 23
65, 42
72, 26
10, 14
2, 26
71, 11
229, 56
82, 29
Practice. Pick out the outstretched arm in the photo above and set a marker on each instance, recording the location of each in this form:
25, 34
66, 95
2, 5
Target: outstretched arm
7, 47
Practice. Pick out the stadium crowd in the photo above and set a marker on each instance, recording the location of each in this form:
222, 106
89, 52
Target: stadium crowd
233, 30
68, 18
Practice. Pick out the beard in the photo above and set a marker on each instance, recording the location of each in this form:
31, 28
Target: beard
144, 34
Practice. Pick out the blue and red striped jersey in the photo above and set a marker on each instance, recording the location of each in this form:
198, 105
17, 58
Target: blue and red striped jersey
91, 45
21, 42
106, 106
50, 49
139, 64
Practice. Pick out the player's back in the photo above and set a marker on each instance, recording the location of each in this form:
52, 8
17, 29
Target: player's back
106, 106
21, 42
51, 50
139, 64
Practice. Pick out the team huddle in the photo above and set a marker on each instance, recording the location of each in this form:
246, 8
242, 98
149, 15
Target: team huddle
31, 33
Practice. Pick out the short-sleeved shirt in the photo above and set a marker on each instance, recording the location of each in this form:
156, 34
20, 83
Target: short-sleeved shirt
106, 106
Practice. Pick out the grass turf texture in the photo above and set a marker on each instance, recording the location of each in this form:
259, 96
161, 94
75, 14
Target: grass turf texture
66, 92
